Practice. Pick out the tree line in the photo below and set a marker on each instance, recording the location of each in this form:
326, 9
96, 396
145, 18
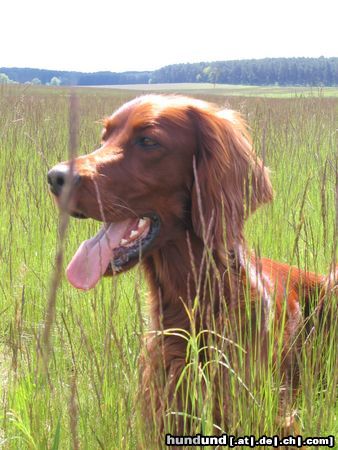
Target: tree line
268, 71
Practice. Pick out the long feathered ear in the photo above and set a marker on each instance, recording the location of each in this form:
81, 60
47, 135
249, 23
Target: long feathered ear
230, 180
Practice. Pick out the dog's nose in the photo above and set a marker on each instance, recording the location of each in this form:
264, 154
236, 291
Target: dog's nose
59, 175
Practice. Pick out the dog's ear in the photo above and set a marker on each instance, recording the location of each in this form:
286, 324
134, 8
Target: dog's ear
230, 181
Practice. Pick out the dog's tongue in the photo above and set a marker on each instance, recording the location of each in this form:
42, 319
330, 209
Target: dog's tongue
93, 256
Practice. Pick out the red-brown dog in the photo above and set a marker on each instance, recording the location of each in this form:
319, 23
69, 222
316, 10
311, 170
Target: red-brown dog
173, 183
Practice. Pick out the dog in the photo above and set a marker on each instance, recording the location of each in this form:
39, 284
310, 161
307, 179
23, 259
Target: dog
173, 182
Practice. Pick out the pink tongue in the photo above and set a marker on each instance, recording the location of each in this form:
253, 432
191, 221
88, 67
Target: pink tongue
94, 255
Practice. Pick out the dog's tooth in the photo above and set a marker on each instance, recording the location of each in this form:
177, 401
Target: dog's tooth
133, 233
123, 242
141, 223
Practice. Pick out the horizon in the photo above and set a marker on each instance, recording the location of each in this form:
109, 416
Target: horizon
157, 68
149, 35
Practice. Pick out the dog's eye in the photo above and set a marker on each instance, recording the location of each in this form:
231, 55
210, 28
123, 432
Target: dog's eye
147, 143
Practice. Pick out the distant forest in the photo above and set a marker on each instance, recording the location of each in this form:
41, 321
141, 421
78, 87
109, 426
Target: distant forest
268, 71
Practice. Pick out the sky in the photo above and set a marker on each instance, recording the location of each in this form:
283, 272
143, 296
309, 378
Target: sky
120, 35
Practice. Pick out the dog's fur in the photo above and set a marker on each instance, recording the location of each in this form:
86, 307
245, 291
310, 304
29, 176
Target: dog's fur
202, 180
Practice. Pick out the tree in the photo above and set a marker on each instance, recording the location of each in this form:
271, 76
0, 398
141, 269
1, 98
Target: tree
4, 79
55, 81
328, 75
212, 74
36, 81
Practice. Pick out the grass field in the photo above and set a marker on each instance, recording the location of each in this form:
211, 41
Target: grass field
229, 89
86, 397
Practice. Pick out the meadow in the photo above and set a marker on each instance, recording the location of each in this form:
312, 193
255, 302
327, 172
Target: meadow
84, 395
231, 90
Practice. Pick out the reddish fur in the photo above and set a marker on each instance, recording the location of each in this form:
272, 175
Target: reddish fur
203, 182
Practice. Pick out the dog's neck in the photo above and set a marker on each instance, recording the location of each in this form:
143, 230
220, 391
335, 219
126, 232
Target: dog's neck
181, 271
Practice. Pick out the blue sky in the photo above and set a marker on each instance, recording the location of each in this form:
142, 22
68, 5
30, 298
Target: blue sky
139, 35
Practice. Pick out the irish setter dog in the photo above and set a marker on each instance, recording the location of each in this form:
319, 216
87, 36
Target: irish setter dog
173, 182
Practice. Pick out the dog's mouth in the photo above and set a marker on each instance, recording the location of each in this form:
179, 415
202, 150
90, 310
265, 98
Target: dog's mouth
114, 246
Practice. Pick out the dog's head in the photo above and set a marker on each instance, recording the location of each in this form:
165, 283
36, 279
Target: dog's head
166, 164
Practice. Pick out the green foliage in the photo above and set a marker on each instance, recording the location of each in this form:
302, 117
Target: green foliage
55, 81
4, 79
268, 71
262, 72
36, 81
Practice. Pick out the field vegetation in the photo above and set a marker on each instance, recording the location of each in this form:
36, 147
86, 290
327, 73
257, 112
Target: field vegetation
229, 90
84, 395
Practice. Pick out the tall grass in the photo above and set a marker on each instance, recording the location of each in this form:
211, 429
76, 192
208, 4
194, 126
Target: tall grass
87, 396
